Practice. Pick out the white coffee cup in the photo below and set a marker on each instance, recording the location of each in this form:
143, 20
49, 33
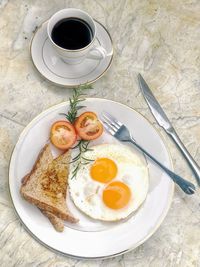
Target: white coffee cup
77, 55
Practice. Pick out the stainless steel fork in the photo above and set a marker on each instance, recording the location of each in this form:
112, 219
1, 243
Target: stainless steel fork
121, 132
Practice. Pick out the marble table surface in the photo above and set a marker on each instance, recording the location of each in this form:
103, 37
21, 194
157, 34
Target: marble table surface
160, 39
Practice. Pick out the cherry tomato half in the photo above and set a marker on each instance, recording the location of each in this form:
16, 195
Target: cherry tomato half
63, 134
88, 126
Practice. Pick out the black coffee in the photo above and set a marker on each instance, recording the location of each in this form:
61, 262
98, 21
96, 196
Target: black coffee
72, 33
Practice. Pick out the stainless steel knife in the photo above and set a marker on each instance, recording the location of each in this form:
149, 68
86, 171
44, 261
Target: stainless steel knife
164, 122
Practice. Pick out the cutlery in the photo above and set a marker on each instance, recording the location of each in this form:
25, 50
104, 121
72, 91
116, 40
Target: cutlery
164, 122
121, 132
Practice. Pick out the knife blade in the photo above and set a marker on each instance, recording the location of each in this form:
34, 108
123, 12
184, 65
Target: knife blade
164, 122
153, 104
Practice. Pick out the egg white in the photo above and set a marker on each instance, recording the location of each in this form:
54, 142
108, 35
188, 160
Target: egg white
86, 193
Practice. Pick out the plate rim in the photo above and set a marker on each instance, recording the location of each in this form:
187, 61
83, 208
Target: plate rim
70, 86
161, 219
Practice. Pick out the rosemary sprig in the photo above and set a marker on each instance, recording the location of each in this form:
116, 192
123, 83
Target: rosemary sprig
75, 100
74, 107
80, 159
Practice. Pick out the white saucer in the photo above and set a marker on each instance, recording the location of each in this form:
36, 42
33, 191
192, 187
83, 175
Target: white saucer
54, 69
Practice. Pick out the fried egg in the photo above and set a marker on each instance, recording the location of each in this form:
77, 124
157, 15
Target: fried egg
112, 185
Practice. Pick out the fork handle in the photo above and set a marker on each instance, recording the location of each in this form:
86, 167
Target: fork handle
185, 185
193, 165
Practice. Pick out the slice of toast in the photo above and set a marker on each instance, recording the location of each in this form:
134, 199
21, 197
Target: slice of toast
43, 160
47, 184
57, 223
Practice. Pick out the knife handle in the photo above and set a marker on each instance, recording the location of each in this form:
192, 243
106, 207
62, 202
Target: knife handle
193, 165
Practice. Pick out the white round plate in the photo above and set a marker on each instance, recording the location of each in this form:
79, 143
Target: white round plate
54, 69
90, 238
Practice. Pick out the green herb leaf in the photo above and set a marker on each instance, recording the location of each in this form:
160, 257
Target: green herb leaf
74, 101
74, 106
80, 159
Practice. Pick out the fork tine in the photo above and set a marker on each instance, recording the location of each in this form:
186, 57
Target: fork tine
107, 119
112, 127
112, 132
113, 122
112, 118
109, 124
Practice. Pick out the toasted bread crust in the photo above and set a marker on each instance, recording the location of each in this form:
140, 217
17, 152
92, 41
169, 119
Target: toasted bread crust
55, 221
45, 165
66, 216
26, 178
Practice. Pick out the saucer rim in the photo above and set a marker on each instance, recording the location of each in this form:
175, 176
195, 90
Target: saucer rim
67, 85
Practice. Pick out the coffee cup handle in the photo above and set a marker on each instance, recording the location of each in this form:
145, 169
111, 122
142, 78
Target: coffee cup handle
97, 52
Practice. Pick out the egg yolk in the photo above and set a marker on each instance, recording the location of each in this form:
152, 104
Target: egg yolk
116, 195
103, 170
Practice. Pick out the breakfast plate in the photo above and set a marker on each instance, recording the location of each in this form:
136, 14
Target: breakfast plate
91, 238
54, 69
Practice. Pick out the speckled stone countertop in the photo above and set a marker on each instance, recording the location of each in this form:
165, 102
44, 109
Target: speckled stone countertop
160, 39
